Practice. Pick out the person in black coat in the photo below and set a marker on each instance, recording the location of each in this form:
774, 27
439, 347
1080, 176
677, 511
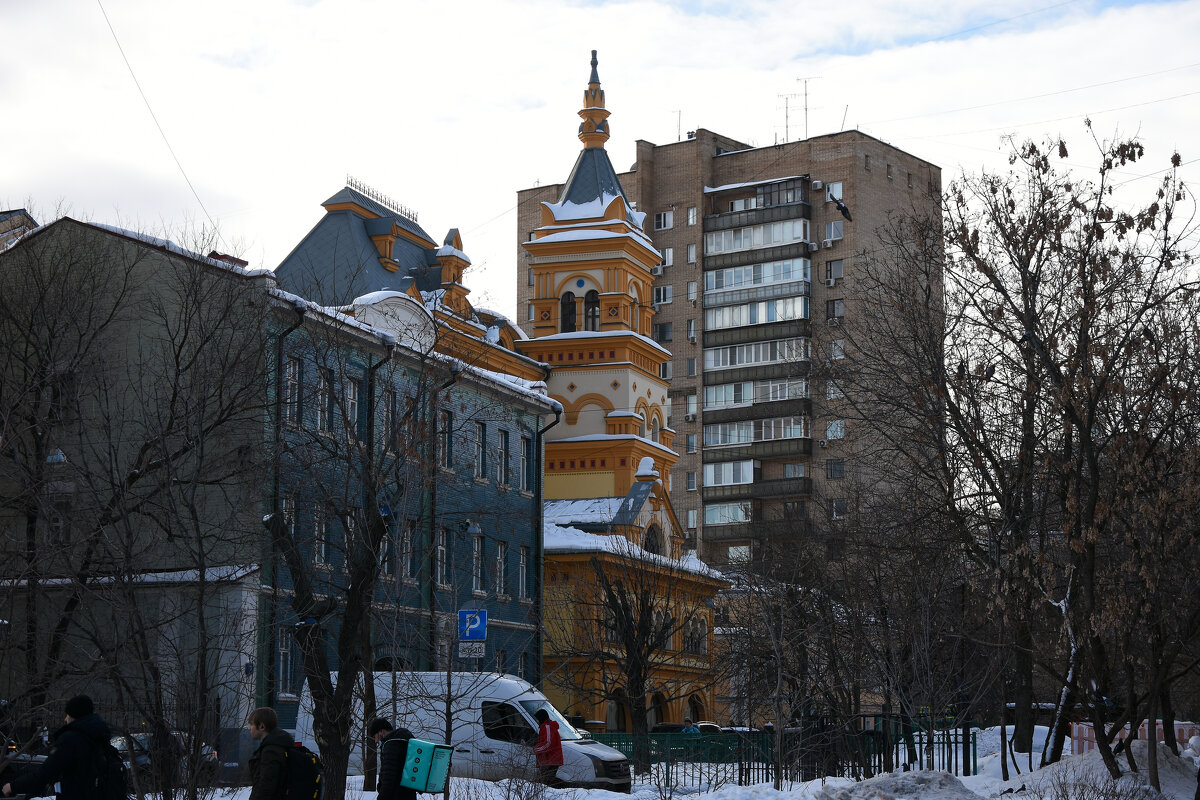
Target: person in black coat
393, 750
73, 760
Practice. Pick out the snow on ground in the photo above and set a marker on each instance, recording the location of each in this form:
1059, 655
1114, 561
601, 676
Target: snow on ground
1177, 776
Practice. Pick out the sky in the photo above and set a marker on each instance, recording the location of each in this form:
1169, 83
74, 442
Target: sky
244, 115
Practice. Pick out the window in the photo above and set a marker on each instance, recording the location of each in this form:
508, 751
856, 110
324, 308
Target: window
352, 397
480, 451
833, 390
320, 550
567, 312
756, 236
691, 403
837, 349
691, 442
501, 572
770, 273
729, 473
835, 468
835, 429
744, 393
757, 313
291, 392
691, 253
738, 554
691, 481
774, 351
668, 256
867, 162
591, 311
446, 439
407, 567
833, 270
348, 539
288, 509
531, 276
526, 466
523, 575
441, 566
833, 230
691, 367
691, 215
782, 193
691, 329
663, 331
284, 665
503, 723
532, 313
744, 204
838, 508
503, 456
833, 191
664, 220
692, 515
726, 513
324, 399
692, 291
889, 172
793, 470
477, 564
665, 371
835, 309
57, 519
663, 294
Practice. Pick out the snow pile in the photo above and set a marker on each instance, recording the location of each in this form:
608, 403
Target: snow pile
1176, 775
924, 784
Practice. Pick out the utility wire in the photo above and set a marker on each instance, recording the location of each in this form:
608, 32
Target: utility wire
154, 117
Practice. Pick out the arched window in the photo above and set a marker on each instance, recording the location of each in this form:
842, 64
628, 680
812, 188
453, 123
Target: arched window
653, 542
591, 311
567, 314
654, 431
696, 708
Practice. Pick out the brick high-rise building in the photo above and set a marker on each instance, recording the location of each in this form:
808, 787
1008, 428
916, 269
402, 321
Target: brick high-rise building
757, 281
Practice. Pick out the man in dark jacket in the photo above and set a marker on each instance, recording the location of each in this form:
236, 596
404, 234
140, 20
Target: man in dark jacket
268, 764
74, 759
393, 750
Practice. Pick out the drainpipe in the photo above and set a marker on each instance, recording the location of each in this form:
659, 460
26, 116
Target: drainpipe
539, 535
300, 307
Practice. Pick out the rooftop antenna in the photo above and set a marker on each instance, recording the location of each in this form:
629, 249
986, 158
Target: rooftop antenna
806, 80
786, 99
679, 125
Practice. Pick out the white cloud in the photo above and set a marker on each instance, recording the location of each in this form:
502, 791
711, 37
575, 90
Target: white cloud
451, 108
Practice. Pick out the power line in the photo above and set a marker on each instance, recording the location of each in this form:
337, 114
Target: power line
154, 117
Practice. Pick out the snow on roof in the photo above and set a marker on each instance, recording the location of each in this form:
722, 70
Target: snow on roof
634, 230
377, 297
729, 186
592, 209
530, 390
447, 250
560, 539
613, 414
226, 574
556, 337
583, 510
646, 468
170, 246
612, 437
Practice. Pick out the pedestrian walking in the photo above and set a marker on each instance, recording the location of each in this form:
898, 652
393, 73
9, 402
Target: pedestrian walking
689, 726
268, 764
548, 748
73, 765
393, 750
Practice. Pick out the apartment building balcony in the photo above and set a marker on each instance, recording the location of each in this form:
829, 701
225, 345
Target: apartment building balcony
757, 372
777, 252
780, 487
759, 530
766, 450
752, 294
756, 216
790, 407
786, 329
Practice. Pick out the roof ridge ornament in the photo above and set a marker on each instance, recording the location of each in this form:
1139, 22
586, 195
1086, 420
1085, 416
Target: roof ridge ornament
593, 131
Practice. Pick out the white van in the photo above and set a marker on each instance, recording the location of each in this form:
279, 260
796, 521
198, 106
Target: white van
492, 727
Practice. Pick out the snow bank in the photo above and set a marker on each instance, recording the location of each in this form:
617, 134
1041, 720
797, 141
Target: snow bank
923, 784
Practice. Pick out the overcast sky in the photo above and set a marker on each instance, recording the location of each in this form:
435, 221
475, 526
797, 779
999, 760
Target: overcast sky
451, 107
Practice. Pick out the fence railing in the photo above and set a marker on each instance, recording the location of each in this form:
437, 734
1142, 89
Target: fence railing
749, 757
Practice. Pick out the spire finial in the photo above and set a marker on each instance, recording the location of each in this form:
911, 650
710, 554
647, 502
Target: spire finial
593, 132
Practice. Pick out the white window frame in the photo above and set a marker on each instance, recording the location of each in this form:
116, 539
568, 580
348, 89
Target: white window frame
292, 373
835, 429
501, 571
664, 220
503, 457
663, 295
441, 559
668, 257
523, 575
352, 394
320, 550
691, 253
324, 399
833, 191
833, 230
665, 370
481, 451
692, 215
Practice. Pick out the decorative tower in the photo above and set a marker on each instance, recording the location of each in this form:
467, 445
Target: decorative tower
592, 265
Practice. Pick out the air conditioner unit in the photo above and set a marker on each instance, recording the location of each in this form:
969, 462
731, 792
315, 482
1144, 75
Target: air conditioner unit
831, 281
813, 247
656, 270
829, 242
835, 320
692, 339
822, 443
689, 417
818, 185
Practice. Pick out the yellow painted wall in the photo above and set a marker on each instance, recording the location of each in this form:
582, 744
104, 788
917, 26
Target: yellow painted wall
580, 484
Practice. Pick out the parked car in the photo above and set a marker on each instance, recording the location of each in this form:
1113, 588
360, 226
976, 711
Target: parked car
200, 760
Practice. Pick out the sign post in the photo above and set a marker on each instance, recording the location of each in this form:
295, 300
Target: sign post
472, 632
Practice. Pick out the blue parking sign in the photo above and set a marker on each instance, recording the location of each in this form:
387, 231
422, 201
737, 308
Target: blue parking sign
472, 624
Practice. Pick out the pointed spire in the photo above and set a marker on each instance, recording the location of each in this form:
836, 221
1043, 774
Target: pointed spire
593, 132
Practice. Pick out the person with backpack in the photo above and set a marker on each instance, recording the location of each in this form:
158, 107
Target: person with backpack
77, 764
548, 748
268, 764
393, 750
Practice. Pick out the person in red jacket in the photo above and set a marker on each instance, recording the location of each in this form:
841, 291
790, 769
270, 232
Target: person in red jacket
548, 748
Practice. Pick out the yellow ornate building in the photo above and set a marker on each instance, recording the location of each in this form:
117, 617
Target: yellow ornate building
628, 617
